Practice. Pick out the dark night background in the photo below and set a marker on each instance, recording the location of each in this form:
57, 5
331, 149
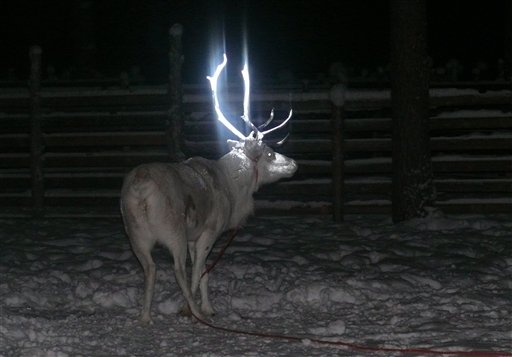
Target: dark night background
300, 36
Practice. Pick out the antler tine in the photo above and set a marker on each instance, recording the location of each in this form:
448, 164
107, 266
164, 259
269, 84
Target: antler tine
220, 116
269, 120
281, 142
280, 125
247, 89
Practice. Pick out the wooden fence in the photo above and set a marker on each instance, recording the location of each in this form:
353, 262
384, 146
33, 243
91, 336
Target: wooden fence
75, 145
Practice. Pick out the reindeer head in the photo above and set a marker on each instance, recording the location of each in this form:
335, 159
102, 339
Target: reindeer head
269, 165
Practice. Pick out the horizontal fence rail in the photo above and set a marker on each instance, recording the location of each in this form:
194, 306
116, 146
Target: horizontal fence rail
91, 137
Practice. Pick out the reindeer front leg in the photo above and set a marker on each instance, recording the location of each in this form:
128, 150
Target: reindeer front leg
203, 247
185, 309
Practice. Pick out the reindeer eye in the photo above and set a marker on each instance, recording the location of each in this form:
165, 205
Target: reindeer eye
270, 155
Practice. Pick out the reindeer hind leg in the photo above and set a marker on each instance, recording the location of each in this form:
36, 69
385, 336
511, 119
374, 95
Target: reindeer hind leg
178, 249
142, 249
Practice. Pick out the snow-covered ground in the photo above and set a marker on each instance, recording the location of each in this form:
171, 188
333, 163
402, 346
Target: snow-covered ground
73, 288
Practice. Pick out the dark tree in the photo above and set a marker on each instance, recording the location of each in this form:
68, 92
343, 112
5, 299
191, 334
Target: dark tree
413, 187
36, 135
508, 40
83, 35
175, 90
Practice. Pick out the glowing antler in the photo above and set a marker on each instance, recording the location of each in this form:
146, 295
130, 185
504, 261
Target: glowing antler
247, 89
263, 133
220, 116
269, 120
246, 115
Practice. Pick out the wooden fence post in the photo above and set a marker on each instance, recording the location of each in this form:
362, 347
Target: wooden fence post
36, 136
175, 117
337, 96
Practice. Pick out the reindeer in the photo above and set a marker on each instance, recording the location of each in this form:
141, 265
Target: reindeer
189, 204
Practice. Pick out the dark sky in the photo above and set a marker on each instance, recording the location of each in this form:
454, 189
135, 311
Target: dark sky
298, 35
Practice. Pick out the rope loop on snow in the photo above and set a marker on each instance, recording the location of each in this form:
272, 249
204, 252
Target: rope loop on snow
348, 345
354, 346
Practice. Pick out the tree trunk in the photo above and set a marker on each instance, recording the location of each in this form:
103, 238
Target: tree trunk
338, 156
36, 135
83, 36
413, 187
175, 90
508, 41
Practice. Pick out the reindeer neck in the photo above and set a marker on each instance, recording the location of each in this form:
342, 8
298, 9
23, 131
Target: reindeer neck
241, 172
241, 176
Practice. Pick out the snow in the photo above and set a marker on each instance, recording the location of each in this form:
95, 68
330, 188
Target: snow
473, 113
288, 204
320, 95
456, 92
72, 287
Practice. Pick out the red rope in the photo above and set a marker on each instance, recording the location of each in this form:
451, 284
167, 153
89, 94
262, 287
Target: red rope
353, 346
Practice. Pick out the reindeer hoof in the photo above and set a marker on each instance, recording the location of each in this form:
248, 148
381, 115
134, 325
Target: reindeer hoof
146, 320
185, 311
208, 311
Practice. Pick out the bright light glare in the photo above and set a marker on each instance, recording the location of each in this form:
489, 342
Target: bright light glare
213, 84
247, 88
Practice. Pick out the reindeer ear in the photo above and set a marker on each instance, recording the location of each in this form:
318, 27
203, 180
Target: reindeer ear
232, 144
